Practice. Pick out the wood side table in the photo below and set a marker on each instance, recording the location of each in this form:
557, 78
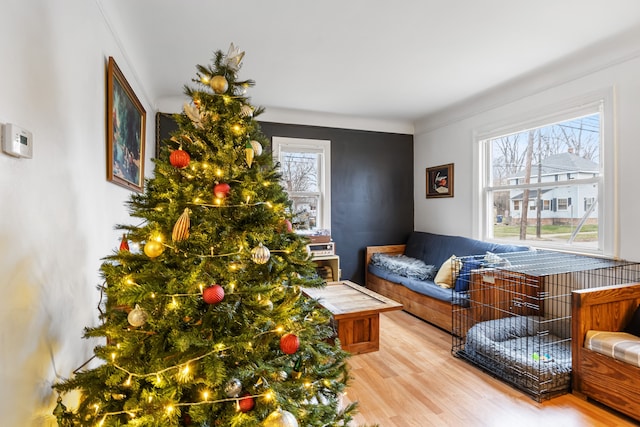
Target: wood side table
356, 313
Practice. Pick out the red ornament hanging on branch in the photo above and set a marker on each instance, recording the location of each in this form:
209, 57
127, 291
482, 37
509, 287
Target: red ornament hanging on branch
179, 158
213, 294
246, 403
289, 343
222, 190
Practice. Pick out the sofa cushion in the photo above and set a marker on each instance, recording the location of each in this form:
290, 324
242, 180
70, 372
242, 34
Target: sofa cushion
434, 249
621, 346
425, 287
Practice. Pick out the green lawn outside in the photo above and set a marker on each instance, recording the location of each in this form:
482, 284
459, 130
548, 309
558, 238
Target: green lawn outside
553, 232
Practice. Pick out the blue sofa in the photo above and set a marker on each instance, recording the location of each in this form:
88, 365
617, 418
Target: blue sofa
419, 296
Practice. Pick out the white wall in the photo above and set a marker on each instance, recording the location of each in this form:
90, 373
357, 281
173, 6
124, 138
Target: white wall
57, 210
449, 137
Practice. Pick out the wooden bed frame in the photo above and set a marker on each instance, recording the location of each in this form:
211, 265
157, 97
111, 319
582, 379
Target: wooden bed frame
599, 377
427, 308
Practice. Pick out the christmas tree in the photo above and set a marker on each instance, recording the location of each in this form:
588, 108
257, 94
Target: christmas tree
205, 324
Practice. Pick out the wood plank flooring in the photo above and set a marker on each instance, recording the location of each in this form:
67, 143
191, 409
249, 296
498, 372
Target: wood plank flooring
415, 381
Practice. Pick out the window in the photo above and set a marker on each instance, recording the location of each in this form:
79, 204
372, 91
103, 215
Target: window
549, 165
589, 202
563, 204
304, 166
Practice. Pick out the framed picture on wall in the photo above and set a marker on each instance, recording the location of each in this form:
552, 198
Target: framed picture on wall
440, 181
126, 124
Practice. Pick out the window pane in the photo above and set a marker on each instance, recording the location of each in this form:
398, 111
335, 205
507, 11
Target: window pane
300, 171
305, 209
557, 152
566, 154
557, 222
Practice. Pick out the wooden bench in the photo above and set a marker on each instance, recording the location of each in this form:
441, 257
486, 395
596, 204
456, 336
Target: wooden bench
596, 376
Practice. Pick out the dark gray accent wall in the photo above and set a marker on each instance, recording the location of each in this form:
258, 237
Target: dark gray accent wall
371, 189
371, 186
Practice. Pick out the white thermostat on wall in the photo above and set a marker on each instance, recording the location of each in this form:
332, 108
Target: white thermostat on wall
16, 141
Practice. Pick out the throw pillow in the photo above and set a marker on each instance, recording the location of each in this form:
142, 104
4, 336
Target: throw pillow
448, 272
464, 277
633, 327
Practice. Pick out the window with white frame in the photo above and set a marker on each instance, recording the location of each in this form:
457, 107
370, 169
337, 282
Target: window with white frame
305, 169
550, 165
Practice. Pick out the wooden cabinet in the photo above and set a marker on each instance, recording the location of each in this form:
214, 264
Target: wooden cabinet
328, 267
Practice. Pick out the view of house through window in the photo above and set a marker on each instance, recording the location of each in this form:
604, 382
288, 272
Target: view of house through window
305, 177
543, 184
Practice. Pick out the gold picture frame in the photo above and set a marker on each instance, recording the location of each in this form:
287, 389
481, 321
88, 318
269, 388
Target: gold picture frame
440, 181
126, 126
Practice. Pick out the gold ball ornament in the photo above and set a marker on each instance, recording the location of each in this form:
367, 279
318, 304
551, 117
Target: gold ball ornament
260, 254
280, 418
219, 84
153, 249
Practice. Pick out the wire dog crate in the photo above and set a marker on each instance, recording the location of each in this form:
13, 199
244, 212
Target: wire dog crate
515, 319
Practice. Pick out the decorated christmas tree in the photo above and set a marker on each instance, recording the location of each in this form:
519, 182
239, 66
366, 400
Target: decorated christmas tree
204, 321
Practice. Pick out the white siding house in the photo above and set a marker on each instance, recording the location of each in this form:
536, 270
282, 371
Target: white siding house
562, 204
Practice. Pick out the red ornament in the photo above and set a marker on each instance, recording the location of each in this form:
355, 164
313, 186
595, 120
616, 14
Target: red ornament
289, 343
288, 225
221, 190
124, 244
179, 159
246, 403
213, 294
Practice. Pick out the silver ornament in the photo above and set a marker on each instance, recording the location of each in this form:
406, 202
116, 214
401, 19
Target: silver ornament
260, 254
246, 111
257, 147
137, 317
266, 304
233, 387
280, 418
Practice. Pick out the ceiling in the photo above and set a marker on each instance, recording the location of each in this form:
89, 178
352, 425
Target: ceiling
379, 59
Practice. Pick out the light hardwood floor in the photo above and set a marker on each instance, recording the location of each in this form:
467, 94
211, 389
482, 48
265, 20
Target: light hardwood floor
415, 381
